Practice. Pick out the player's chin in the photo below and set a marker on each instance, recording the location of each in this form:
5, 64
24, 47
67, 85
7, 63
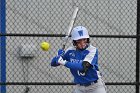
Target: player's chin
82, 47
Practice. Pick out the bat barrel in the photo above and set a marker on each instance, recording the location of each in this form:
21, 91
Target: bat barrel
70, 26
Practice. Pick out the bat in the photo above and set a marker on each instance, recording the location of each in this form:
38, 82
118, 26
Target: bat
70, 26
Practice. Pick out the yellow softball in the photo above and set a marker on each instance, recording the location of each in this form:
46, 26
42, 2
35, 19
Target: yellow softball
45, 46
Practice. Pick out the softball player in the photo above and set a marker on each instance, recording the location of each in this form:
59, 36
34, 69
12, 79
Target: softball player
82, 60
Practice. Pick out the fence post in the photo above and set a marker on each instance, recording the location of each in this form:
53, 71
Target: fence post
2, 45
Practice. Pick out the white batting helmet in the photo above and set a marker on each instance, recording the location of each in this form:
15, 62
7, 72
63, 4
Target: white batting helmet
79, 32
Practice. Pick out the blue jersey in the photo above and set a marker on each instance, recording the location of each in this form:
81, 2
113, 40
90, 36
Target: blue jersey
90, 54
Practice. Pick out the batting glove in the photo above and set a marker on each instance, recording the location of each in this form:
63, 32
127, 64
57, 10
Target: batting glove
61, 61
54, 62
61, 52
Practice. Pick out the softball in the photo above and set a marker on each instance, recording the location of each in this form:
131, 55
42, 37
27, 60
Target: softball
45, 46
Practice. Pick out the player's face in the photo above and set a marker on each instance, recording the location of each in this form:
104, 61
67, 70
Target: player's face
81, 43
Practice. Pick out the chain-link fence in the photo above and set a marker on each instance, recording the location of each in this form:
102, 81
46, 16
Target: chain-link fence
112, 25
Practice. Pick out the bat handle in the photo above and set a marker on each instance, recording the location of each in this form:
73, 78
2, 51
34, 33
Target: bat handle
65, 41
63, 47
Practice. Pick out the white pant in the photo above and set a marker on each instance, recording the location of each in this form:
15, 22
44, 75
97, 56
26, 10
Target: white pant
98, 87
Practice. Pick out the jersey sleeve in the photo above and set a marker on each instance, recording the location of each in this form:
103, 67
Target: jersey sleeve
72, 65
92, 56
65, 57
66, 54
